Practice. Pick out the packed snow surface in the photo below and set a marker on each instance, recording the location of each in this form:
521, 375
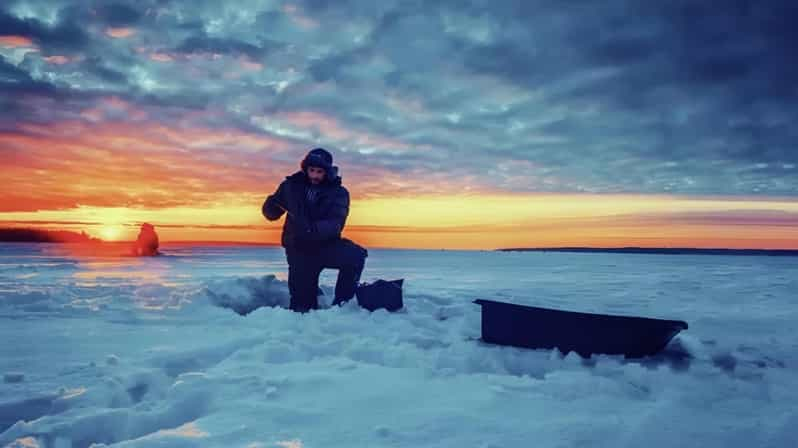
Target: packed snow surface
140, 352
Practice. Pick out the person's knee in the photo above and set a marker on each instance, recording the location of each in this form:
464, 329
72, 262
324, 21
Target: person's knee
359, 254
357, 260
347, 255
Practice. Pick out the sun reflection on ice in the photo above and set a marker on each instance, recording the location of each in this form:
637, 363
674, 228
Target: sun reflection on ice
188, 430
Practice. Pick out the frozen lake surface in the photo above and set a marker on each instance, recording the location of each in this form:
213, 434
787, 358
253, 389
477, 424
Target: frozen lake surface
129, 352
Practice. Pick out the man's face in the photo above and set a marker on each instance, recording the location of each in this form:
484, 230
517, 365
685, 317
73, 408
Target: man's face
315, 174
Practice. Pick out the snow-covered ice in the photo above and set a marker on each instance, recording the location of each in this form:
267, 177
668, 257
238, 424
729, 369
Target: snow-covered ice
135, 352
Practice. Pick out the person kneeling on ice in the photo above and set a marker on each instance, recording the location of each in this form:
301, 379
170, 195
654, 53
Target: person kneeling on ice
316, 205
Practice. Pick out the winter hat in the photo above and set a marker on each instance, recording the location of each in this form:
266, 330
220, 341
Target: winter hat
319, 157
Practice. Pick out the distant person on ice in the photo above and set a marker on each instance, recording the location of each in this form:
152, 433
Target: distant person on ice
146, 244
316, 207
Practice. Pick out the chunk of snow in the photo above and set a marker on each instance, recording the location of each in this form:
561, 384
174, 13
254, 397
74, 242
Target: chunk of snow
246, 294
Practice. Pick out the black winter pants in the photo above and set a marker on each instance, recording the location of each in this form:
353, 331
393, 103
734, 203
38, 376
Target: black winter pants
305, 266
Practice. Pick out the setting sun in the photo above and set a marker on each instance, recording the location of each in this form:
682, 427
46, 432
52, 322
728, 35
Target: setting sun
111, 233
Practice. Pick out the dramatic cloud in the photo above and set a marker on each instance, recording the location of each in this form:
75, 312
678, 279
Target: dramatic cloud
223, 98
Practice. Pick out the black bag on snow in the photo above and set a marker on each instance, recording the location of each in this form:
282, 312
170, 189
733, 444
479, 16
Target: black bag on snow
380, 294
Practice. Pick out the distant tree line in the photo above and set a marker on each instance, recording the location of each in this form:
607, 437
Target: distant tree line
657, 250
22, 235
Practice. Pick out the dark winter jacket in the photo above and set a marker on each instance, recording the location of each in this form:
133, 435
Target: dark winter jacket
309, 224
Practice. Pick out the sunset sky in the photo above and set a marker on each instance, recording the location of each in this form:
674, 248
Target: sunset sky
454, 124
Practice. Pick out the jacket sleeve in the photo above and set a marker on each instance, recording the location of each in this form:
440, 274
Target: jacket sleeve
332, 224
271, 210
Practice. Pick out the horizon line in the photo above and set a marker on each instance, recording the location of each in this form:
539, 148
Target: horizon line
497, 249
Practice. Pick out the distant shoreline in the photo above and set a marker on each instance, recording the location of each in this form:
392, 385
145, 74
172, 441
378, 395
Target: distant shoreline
658, 250
25, 235
164, 243
217, 243
619, 250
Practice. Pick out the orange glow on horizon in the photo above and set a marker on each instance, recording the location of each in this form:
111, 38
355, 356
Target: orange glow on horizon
106, 176
479, 221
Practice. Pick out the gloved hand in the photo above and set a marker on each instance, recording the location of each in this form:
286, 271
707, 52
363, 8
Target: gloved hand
288, 210
274, 205
280, 204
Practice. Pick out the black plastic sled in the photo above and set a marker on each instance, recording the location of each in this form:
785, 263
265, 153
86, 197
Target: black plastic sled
584, 333
380, 294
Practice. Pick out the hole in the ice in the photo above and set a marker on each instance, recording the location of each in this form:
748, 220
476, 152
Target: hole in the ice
725, 361
137, 392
